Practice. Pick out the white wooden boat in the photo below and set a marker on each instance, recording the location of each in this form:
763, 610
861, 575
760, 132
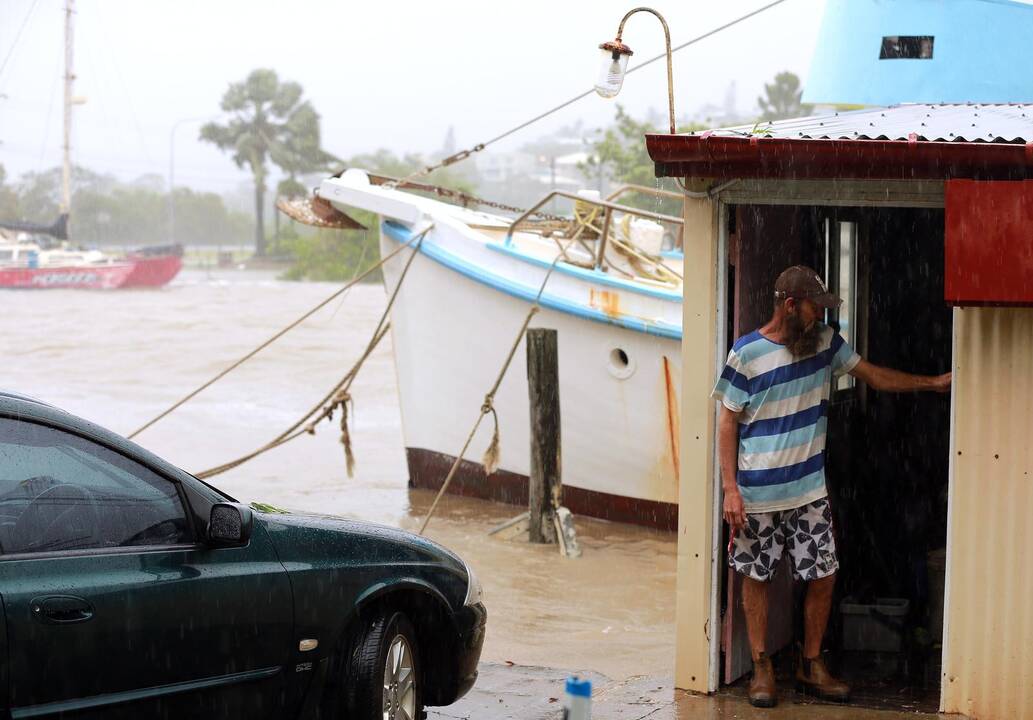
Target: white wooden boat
460, 307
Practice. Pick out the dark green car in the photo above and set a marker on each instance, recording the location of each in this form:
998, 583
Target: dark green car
132, 589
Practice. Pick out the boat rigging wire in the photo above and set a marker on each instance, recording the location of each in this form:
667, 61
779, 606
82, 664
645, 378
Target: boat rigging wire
106, 54
337, 293
18, 36
463, 154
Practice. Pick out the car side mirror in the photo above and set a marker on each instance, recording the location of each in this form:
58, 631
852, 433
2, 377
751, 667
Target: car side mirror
230, 524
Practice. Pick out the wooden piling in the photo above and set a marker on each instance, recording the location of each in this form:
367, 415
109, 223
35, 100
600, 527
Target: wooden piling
546, 490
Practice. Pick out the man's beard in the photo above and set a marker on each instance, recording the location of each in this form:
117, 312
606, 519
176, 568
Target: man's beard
799, 340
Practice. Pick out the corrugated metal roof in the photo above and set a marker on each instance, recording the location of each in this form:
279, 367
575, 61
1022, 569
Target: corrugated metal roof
1011, 123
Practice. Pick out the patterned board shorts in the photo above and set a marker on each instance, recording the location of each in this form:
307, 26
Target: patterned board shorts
807, 533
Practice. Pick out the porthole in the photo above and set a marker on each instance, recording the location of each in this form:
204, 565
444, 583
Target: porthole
620, 363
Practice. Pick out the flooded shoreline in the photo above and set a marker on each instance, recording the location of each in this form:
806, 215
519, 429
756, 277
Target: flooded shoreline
121, 357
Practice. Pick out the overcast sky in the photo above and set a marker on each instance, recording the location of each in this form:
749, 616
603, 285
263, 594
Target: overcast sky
382, 73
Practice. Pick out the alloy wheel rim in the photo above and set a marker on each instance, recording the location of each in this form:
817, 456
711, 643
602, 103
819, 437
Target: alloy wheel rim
399, 681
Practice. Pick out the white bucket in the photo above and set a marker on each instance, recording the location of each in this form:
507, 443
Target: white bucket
647, 235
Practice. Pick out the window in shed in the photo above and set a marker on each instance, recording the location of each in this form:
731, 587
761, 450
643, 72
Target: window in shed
841, 276
907, 47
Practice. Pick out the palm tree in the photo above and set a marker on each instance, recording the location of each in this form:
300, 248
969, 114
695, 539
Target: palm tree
269, 121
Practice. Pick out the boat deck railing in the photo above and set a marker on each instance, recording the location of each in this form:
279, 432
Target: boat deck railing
578, 229
608, 208
644, 190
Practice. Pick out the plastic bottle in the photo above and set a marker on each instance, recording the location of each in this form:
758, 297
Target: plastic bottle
577, 700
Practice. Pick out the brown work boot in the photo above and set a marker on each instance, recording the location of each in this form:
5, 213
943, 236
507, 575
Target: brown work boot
813, 678
762, 684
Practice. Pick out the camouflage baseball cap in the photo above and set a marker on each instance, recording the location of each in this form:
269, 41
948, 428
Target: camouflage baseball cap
802, 282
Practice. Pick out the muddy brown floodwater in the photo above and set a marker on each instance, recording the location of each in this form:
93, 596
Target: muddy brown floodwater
119, 358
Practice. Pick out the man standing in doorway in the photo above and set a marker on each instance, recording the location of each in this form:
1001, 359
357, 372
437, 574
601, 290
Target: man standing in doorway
774, 391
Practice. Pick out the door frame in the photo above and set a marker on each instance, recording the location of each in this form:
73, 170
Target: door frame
841, 193
717, 564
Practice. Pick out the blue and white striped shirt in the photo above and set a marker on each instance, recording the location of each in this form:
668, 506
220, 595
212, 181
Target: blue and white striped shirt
784, 402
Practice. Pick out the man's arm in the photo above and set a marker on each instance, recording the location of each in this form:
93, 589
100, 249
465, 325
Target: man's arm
889, 380
728, 459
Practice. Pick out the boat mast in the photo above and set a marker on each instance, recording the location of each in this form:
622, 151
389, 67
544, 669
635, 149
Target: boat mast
66, 167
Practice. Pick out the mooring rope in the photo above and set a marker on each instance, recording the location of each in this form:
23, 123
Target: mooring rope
354, 281
338, 397
335, 398
491, 456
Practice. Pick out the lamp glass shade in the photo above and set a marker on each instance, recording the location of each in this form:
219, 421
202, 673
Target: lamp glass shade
611, 73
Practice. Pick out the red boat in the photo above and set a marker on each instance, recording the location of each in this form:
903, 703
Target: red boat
154, 266
99, 277
27, 264
28, 260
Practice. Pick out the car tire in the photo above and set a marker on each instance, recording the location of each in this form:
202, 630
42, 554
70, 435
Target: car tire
383, 679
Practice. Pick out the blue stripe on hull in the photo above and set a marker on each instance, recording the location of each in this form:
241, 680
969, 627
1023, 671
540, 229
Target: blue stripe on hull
401, 234
593, 276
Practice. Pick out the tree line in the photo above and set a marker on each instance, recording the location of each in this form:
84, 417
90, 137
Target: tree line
108, 211
268, 122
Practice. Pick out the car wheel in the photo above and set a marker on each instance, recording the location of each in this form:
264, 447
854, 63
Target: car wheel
383, 677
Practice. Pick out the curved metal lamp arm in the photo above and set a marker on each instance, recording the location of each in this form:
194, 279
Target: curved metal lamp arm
667, 41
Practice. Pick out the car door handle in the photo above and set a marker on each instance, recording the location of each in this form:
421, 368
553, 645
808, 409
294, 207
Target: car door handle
61, 609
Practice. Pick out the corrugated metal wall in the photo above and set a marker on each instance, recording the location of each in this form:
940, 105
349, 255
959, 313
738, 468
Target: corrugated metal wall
988, 657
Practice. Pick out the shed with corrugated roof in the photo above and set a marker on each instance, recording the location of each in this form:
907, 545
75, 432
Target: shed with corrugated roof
919, 216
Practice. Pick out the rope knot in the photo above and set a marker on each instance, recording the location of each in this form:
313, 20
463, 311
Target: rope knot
341, 400
490, 461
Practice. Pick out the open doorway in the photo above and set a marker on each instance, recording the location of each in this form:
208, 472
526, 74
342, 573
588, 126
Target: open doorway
886, 454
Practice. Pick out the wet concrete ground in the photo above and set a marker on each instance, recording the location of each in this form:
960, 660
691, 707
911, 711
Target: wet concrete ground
505, 692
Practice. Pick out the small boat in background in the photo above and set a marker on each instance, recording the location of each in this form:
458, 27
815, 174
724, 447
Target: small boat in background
39, 256
32, 262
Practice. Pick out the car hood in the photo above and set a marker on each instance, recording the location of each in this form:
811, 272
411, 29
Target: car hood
307, 536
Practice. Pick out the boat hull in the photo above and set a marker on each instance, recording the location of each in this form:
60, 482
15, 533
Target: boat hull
453, 324
99, 277
428, 469
153, 271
